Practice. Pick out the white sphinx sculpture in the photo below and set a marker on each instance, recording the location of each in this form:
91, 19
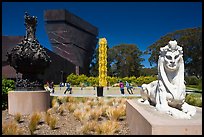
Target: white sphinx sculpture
168, 93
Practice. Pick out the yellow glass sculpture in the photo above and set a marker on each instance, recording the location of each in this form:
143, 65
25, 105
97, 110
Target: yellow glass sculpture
102, 62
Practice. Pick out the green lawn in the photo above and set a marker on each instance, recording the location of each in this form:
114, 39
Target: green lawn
192, 88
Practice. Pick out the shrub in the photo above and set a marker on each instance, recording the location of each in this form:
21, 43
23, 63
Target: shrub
92, 81
77, 114
61, 100
34, 121
192, 80
103, 109
17, 117
200, 84
100, 102
36, 116
95, 114
55, 102
132, 79
10, 128
111, 101
107, 127
87, 108
122, 109
50, 111
7, 85
194, 99
112, 80
72, 78
70, 107
70, 99
113, 113
89, 127
90, 103
32, 126
61, 110
83, 99
47, 117
77, 79
81, 115
145, 80
52, 122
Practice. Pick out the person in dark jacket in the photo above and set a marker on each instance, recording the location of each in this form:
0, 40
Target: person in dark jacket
69, 89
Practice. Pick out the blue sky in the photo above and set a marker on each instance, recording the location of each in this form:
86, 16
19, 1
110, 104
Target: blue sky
139, 23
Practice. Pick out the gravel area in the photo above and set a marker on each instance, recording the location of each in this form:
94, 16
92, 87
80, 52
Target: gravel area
67, 124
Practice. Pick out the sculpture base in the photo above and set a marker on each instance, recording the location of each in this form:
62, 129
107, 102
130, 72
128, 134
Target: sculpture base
99, 91
27, 102
145, 120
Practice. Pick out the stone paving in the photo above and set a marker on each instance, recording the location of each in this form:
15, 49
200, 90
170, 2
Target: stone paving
91, 92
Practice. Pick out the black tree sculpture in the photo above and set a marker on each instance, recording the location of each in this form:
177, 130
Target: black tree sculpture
29, 58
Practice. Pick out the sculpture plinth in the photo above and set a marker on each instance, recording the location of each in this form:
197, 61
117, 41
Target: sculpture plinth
28, 102
29, 58
143, 119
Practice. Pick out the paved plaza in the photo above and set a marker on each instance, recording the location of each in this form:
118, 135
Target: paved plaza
92, 92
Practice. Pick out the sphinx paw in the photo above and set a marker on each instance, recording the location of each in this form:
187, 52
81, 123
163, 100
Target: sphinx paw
179, 114
188, 109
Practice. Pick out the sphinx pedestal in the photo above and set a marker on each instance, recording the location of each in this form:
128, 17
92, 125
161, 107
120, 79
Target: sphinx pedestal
145, 120
27, 102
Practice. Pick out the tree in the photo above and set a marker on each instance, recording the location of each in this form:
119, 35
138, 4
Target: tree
191, 41
149, 71
93, 68
124, 60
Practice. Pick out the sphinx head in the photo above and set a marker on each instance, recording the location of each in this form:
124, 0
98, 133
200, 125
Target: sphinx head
172, 54
171, 60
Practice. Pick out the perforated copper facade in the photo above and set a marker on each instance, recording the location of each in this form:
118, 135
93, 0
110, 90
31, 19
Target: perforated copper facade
71, 37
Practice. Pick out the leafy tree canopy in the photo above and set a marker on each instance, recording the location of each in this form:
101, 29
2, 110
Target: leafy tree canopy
191, 41
123, 60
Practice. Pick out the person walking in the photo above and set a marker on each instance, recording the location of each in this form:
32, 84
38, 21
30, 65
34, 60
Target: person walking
68, 88
60, 85
51, 86
121, 87
47, 86
129, 87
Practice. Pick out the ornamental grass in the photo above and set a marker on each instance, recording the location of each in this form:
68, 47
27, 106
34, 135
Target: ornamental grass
11, 128
34, 121
17, 117
107, 127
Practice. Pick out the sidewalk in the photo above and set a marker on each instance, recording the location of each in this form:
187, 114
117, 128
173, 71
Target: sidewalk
90, 92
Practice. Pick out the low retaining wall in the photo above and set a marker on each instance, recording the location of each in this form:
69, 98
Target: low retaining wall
27, 102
